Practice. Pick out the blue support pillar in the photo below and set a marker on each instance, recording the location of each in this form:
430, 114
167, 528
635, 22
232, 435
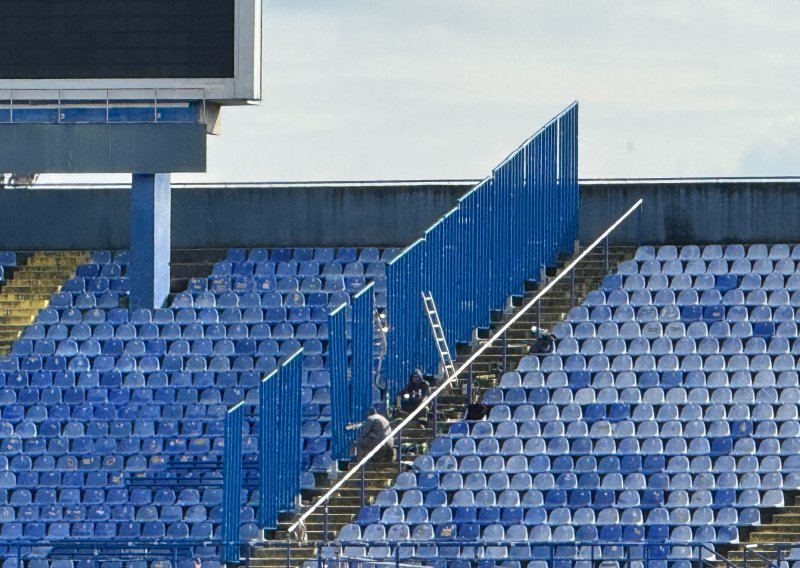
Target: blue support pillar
151, 208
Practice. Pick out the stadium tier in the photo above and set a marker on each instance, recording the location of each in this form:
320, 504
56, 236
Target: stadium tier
103, 410
666, 416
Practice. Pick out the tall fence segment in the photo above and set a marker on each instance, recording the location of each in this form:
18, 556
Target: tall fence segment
351, 375
520, 218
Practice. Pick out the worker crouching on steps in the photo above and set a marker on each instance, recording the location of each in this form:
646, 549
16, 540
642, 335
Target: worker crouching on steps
373, 430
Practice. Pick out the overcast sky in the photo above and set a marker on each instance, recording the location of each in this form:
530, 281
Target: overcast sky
413, 89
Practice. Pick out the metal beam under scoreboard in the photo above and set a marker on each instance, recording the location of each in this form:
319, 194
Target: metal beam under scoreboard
102, 148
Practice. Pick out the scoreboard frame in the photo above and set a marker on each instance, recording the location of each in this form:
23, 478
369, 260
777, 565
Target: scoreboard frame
244, 87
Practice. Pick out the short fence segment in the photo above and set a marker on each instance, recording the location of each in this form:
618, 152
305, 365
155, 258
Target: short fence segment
340, 387
351, 376
232, 483
279, 440
521, 217
363, 352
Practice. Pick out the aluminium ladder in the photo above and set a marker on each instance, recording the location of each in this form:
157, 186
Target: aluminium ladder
438, 335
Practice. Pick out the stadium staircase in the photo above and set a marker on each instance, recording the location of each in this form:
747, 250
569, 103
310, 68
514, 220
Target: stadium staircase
487, 369
782, 529
188, 263
30, 288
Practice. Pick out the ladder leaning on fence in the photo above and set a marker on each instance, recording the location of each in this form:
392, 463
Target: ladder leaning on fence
438, 335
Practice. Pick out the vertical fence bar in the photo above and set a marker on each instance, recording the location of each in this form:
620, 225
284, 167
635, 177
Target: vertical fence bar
232, 484
363, 352
290, 374
363, 487
340, 387
267, 446
470, 380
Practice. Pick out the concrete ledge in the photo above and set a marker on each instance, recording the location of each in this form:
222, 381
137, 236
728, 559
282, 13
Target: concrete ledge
682, 212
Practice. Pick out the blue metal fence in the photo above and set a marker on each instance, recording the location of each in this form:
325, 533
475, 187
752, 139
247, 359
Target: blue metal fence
280, 446
518, 219
351, 377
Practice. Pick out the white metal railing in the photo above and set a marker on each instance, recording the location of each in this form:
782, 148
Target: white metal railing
60, 99
465, 366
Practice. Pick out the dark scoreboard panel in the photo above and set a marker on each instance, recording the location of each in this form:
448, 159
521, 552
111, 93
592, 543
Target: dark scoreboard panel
117, 39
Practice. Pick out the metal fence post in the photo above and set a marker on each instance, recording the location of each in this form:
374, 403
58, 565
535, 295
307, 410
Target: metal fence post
435, 416
605, 254
538, 316
470, 379
363, 487
572, 287
325, 523
505, 352
400, 450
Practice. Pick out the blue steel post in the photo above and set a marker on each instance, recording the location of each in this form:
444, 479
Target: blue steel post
232, 484
150, 219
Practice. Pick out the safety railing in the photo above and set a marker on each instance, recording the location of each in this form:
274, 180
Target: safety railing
279, 442
112, 106
521, 217
625, 554
463, 368
93, 550
351, 376
771, 555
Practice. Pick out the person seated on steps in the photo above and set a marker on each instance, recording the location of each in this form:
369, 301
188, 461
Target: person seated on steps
476, 410
414, 393
543, 342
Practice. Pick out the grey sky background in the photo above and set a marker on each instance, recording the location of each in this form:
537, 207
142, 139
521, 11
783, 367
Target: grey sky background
416, 89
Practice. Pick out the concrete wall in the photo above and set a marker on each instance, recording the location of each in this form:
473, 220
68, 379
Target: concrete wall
392, 214
699, 212
216, 217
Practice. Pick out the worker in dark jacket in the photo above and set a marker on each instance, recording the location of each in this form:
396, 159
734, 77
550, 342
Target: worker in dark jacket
414, 393
373, 430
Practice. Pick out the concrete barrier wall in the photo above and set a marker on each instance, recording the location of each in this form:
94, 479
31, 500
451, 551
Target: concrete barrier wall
694, 212
385, 215
391, 214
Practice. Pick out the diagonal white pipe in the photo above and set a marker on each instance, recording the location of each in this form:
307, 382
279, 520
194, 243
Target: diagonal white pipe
465, 366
